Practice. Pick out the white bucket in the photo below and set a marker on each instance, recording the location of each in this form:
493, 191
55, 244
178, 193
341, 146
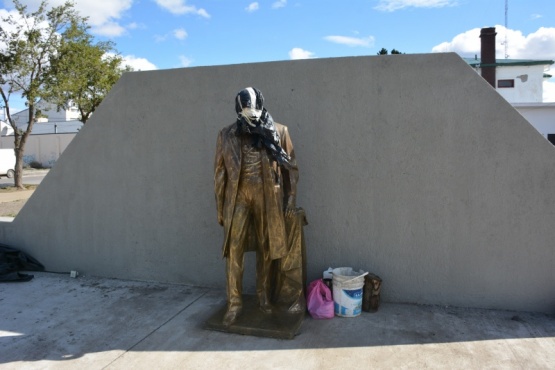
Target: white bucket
347, 291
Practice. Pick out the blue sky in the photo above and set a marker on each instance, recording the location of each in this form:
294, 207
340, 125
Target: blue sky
161, 34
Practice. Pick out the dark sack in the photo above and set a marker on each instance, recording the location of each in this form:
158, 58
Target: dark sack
12, 261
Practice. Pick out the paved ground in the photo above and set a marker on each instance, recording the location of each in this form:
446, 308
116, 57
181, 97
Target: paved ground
58, 322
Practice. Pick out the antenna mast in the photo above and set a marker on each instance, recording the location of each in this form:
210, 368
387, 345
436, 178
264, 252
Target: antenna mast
506, 29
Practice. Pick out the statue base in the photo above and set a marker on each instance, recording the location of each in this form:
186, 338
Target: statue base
279, 324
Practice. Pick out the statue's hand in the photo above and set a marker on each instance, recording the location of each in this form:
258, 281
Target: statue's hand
290, 209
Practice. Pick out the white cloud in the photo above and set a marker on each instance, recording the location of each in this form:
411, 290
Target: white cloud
181, 7
109, 29
465, 44
393, 5
184, 61
351, 41
252, 7
160, 38
103, 14
298, 53
203, 13
536, 16
138, 64
135, 26
536, 45
7, 27
279, 4
180, 34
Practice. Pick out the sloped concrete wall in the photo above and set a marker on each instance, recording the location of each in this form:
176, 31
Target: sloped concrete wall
412, 167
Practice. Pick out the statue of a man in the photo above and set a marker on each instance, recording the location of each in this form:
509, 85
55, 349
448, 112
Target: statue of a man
255, 177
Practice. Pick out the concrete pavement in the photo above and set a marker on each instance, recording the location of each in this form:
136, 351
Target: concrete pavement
58, 322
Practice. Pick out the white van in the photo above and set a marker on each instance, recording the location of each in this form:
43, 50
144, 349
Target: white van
7, 163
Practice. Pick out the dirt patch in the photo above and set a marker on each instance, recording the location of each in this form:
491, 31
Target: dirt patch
10, 189
11, 209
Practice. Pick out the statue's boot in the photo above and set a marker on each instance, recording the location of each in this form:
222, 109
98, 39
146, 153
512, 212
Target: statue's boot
231, 315
265, 305
298, 306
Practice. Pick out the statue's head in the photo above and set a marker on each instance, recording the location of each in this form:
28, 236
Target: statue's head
249, 102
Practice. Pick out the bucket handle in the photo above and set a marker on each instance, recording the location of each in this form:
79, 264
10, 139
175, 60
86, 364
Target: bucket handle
356, 277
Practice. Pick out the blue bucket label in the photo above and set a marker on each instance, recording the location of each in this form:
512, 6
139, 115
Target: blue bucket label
354, 294
344, 311
350, 304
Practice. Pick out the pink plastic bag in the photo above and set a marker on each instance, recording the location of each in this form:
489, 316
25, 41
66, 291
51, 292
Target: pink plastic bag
319, 301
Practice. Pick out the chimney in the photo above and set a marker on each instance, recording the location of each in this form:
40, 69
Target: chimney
488, 54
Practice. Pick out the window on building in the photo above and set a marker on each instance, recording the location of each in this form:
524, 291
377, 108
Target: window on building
505, 83
551, 138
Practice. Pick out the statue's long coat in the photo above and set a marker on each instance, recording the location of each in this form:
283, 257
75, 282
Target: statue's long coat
279, 184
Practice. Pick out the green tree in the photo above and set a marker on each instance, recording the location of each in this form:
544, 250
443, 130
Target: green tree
29, 42
83, 72
384, 51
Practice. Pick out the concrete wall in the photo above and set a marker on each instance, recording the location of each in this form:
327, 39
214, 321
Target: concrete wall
412, 167
45, 149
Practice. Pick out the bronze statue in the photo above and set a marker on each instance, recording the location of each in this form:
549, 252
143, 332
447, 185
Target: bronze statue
255, 177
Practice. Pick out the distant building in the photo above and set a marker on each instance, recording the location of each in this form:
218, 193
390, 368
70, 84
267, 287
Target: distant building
50, 121
52, 132
519, 81
49, 113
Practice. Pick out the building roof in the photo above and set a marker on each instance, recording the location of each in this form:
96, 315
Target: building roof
475, 62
